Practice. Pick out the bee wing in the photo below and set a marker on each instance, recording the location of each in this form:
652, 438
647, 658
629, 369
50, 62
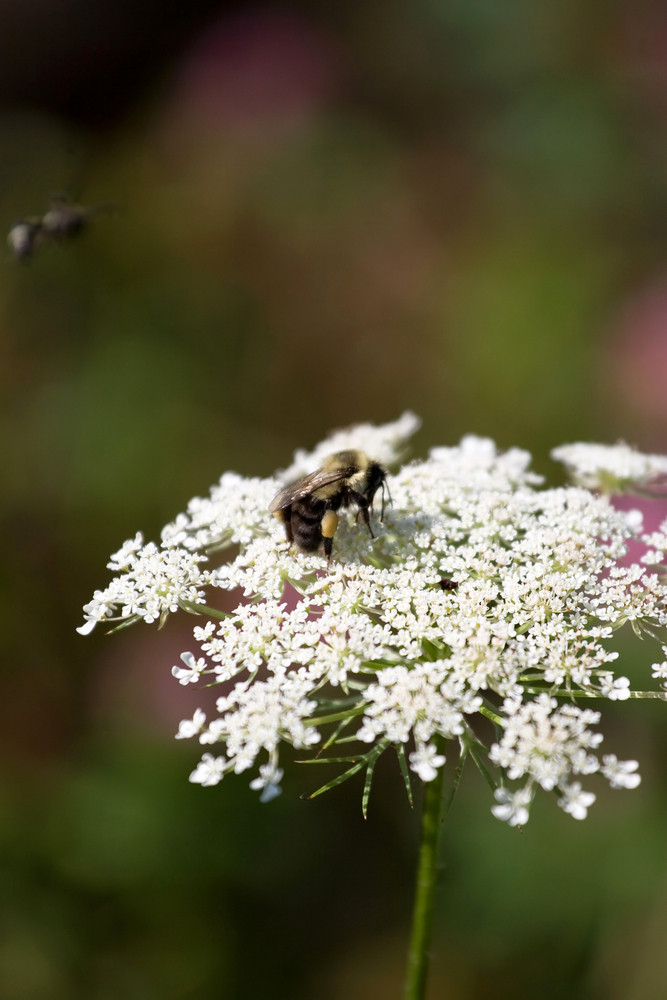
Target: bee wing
309, 484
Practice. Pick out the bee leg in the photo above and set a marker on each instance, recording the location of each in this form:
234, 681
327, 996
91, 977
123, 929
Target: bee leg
328, 529
363, 506
367, 521
384, 486
285, 518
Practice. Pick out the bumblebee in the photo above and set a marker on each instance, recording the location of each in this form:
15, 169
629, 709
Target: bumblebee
308, 507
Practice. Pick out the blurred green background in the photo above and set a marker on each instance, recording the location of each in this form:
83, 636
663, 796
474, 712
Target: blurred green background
326, 212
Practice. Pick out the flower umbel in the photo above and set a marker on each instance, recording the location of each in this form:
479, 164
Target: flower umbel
484, 597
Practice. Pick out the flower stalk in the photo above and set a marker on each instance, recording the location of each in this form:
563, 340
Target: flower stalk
425, 889
481, 595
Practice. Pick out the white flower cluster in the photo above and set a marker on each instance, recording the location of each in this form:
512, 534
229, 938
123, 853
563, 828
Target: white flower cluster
386, 444
610, 468
485, 598
152, 583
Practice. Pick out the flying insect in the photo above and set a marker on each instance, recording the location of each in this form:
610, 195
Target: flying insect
63, 221
307, 508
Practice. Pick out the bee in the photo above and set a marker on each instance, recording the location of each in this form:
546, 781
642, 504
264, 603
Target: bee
308, 507
63, 221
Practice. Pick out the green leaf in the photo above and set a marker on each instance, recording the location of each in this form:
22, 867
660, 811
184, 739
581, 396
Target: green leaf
302, 584
222, 543
483, 769
333, 760
334, 738
367, 760
367, 785
203, 609
403, 764
336, 781
489, 714
338, 704
323, 720
457, 779
431, 650
125, 624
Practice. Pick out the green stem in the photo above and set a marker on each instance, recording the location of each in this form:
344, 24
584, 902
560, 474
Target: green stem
422, 917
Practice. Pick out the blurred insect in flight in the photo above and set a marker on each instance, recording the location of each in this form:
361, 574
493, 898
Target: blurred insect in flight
63, 221
308, 507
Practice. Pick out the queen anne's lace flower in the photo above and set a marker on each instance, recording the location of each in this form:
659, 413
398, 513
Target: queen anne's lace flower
153, 582
513, 807
575, 801
611, 468
483, 597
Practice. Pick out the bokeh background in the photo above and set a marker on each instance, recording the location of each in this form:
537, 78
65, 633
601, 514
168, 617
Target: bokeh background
325, 213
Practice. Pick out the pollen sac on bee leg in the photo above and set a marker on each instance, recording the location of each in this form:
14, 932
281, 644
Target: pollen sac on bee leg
328, 528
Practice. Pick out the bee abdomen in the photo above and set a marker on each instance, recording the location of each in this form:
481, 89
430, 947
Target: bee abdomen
306, 524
